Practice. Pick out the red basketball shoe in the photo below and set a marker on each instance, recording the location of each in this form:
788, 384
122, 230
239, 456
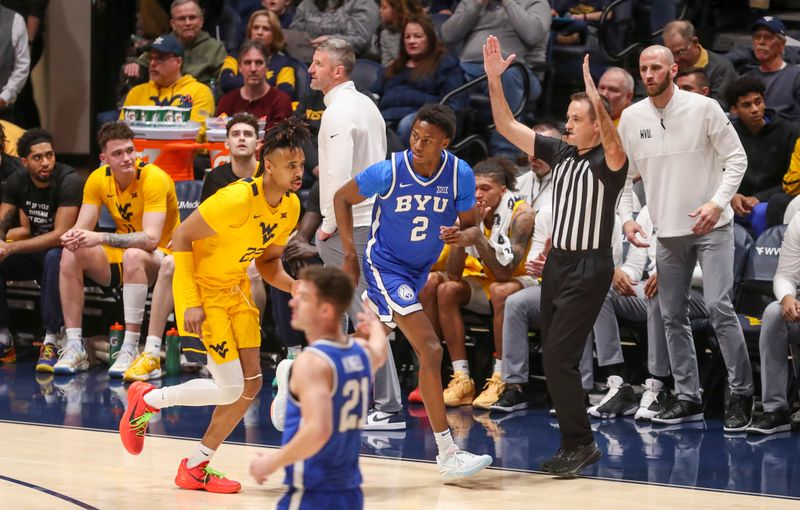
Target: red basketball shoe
133, 424
202, 477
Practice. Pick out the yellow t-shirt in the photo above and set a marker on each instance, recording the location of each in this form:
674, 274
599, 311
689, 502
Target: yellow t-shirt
186, 92
520, 269
245, 225
12, 132
152, 190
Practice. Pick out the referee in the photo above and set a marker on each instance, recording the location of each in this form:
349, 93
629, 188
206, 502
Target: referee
589, 169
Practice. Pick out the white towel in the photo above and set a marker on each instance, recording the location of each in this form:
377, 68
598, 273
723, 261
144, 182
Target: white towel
498, 238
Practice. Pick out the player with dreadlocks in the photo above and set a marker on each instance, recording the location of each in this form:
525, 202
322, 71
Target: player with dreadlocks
250, 219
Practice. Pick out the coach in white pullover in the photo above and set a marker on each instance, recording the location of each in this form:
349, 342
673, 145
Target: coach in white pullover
680, 143
352, 136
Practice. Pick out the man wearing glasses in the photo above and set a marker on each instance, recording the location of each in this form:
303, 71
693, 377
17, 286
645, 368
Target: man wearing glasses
203, 55
782, 80
689, 54
168, 86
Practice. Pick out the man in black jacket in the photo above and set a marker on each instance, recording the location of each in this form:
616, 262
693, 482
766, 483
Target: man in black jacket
768, 140
45, 197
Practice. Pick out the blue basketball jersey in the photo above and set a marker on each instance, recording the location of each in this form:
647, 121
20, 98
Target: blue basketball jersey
335, 466
406, 217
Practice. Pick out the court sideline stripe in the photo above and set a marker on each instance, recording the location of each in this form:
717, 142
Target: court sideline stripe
425, 461
49, 492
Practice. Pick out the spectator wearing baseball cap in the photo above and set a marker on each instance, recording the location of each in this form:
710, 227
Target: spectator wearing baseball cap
168, 86
782, 80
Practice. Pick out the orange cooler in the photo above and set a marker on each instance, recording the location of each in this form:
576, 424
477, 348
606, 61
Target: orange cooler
171, 148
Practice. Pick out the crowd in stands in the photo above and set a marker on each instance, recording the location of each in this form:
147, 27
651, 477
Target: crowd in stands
408, 53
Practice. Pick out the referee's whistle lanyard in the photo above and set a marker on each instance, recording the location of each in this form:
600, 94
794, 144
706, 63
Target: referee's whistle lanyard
542, 188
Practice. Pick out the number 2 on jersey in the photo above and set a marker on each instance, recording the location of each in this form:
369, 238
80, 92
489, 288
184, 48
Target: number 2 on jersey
354, 410
419, 232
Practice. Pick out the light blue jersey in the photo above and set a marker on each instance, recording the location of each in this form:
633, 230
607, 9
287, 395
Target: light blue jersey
335, 466
408, 212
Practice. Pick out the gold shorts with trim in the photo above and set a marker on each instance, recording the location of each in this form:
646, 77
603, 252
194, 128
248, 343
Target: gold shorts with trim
231, 323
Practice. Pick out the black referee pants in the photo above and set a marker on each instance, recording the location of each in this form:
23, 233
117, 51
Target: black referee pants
574, 286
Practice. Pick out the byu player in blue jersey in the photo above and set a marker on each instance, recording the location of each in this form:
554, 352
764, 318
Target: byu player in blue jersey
329, 387
421, 193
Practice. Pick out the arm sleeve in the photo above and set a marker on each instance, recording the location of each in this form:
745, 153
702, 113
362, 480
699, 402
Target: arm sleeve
465, 199
375, 179
787, 276
530, 19
337, 129
228, 207
625, 206
459, 25
155, 190
729, 148
22, 61
92, 191
70, 190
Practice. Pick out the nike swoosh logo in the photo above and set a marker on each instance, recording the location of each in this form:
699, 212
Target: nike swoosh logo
110, 196
406, 185
257, 216
385, 418
337, 134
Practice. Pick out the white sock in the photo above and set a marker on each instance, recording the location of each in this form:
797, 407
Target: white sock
498, 366
74, 336
153, 345
199, 455
444, 440
131, 340
51, 338
134, 297
461, 365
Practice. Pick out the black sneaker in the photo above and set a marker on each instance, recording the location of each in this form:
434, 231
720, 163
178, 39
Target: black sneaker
619, 401
545, 465
512, 399
738, 413
569, 462
795, 419
771, 423
681, 411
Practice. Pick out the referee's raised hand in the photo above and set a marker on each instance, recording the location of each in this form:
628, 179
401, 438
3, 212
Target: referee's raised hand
588, 81
493, 62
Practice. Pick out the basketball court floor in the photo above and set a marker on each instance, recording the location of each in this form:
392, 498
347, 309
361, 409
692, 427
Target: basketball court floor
59, 449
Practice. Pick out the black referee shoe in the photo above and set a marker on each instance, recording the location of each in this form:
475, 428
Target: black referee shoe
568, 462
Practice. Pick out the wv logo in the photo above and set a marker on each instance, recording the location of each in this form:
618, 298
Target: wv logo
220, 349
125, 212
770, 251
267, 231
644, 133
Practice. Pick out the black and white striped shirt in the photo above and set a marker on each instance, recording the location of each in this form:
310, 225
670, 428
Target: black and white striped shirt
585, 193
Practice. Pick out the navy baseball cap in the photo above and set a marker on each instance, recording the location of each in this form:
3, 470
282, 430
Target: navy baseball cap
167, 44
771, 23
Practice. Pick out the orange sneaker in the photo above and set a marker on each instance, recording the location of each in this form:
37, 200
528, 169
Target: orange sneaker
202, 477
415, 397
133, 424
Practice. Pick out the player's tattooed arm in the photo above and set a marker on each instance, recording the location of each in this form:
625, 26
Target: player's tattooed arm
521, 233
133, 240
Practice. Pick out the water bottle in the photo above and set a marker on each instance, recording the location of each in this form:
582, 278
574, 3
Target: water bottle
115, 337
173, 352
